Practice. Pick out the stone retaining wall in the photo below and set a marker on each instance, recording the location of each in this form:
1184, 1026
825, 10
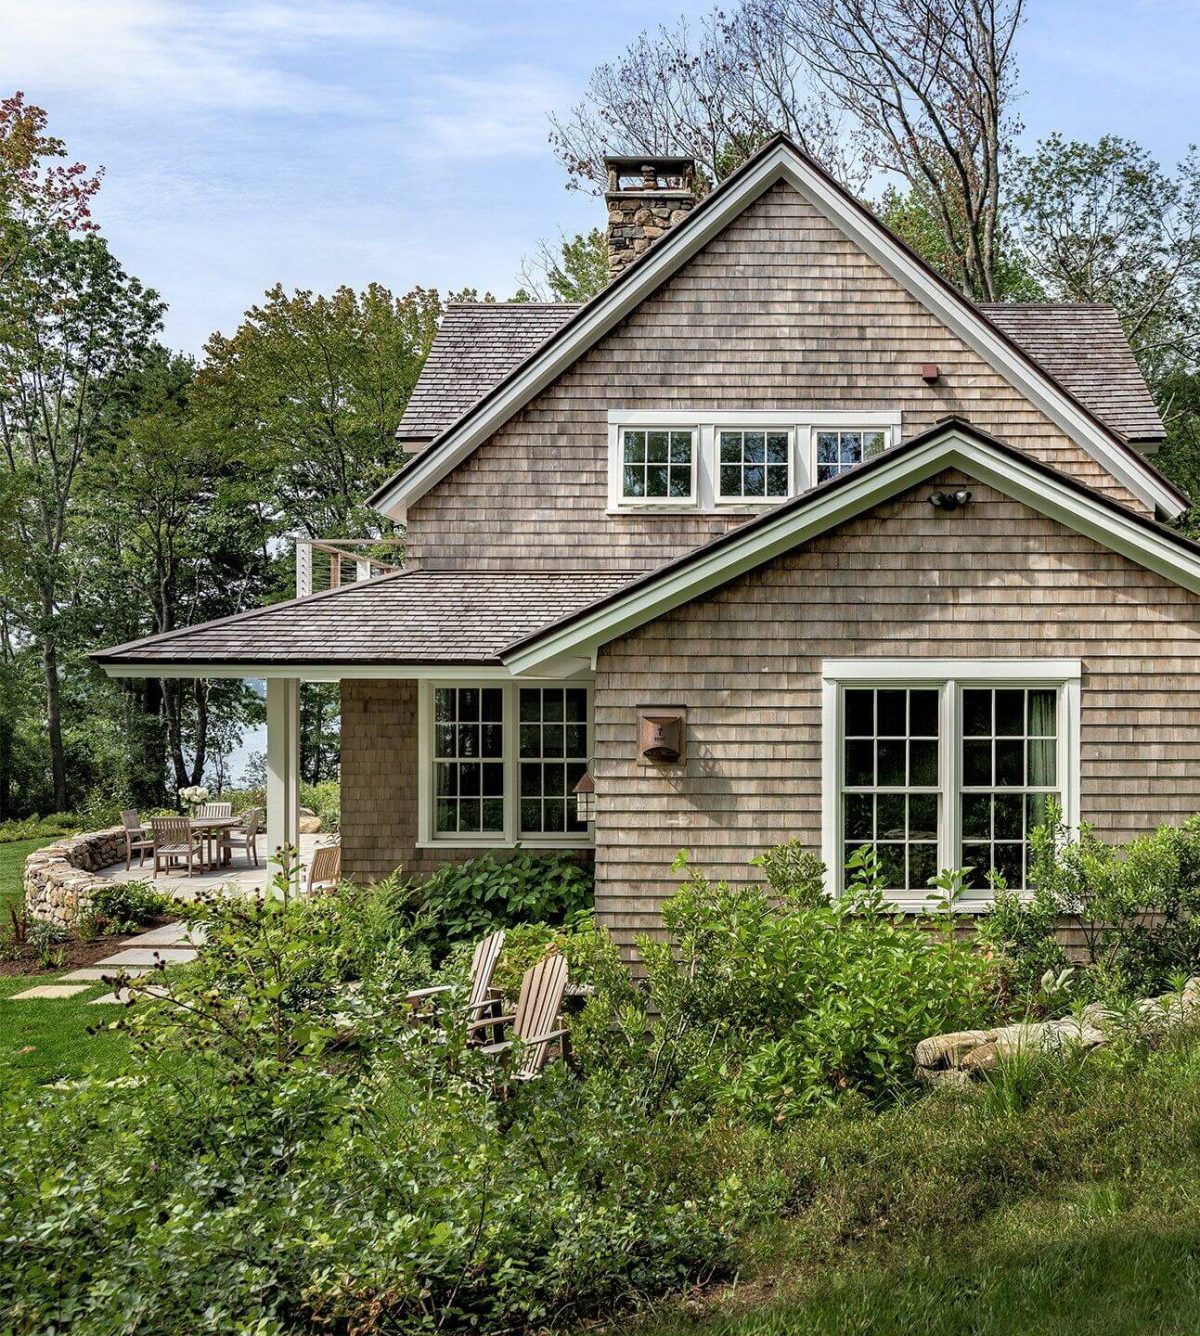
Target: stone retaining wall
956, 1059
58, 879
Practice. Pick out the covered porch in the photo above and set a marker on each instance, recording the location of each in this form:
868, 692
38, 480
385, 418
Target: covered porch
445, 753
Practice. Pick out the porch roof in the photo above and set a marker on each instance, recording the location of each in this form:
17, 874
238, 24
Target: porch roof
408, 618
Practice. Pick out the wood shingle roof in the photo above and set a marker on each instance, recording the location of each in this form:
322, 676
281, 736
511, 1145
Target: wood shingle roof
408, 617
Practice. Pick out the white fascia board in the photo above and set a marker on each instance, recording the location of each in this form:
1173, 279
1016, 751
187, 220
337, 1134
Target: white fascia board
891, 672
681, 243
907, 469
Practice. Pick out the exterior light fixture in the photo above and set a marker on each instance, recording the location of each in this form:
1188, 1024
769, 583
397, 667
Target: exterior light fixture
949, 500
585, 797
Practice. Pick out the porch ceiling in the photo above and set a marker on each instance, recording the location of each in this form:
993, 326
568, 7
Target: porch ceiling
409, 618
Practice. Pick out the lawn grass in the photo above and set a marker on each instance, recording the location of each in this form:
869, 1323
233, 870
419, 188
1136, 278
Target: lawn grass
47, 1039
12, 868
1071, 1210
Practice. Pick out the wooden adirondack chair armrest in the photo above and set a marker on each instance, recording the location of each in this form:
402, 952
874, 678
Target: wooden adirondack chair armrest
495, 1050
479, 1006
420, 994
544, 1038
489, 1021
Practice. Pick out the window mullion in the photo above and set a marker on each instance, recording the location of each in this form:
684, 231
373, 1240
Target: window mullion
950, 848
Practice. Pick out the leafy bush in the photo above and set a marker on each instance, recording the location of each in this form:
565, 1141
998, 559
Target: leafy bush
1135, 907
464, 901
37, 827
325, 800
120, 907
780, 1009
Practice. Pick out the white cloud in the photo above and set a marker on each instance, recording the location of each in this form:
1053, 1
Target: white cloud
220, 56
498, 114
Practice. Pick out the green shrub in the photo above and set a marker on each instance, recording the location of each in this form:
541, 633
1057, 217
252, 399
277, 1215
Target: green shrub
1135, 907
38, 827
465, 901
120, 907
781, 1010
324, 799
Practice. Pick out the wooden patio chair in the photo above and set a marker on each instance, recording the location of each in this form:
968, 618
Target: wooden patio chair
244, 836
325, 870
534, 1023
215, 810
174, 839
137, 838
481, 998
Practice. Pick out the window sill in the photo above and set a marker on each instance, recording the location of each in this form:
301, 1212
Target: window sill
534, 842
692, 508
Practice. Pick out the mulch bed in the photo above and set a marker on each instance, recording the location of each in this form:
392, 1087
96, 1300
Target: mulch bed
77, 954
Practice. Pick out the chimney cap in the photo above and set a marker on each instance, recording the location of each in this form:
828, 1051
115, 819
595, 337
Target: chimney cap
635, 162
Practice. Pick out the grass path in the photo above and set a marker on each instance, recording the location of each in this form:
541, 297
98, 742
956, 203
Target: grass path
12, 866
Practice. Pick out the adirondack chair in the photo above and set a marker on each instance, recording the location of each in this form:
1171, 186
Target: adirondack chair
534, 1023
482, 997
325, 870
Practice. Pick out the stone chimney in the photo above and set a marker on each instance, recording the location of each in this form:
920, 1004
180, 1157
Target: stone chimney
645, 196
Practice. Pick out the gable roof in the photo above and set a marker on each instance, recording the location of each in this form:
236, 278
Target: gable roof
952, 443
405, 618
778, 160
1082, 345
477, 345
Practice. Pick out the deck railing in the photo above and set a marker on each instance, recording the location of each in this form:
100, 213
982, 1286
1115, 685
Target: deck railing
329, 563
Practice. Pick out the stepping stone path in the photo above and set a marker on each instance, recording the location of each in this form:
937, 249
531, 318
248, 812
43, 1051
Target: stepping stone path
50, 990
173, 944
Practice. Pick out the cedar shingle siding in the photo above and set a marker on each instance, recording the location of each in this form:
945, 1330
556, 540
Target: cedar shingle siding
995, 580
779, 311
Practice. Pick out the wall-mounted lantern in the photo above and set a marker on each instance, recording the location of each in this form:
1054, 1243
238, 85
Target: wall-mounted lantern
661, 734
585, 797
949, 500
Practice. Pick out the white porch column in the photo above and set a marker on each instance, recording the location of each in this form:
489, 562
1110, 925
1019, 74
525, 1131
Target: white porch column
283, 762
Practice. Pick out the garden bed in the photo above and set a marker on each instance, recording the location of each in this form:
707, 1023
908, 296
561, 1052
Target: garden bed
76, 954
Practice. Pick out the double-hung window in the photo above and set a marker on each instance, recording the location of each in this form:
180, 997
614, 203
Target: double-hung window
499, 761
840, 450
937, 764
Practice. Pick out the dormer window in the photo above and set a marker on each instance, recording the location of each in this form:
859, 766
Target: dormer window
658, 465
712, 461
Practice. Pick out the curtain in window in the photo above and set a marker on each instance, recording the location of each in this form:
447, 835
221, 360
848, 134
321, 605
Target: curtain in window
1042, 731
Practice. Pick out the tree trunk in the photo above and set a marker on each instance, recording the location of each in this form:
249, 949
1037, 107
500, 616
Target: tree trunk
146, 784
58, 764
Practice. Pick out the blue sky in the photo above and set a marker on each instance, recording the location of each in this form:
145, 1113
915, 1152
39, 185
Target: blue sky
320, 143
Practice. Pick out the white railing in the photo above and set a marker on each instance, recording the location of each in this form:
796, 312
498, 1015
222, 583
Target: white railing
329, 563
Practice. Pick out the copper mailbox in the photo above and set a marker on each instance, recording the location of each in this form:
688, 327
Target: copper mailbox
661, 733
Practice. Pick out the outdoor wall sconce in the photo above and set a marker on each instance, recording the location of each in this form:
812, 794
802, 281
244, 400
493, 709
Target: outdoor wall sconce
661, 733
930, 373
948, 500
585, 797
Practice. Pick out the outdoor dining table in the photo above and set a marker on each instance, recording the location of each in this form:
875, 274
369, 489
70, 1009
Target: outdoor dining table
211, 828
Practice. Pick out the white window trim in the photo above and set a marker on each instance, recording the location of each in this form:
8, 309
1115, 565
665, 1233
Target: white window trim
802, 423
948, 675
510, 837
616, 466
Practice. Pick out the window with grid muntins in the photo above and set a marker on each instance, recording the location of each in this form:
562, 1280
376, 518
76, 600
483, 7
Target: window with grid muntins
838, 451
658, 465
468, 765
552, 751
890, 781
1008, 776
753, 464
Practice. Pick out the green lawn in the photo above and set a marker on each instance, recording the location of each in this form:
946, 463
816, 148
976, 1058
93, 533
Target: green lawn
12, 865
44, 1040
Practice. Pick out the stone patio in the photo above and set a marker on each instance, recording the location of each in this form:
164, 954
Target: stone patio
240, 878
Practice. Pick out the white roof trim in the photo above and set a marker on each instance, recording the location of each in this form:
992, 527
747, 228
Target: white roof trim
798, 523
324, 672
781, 163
